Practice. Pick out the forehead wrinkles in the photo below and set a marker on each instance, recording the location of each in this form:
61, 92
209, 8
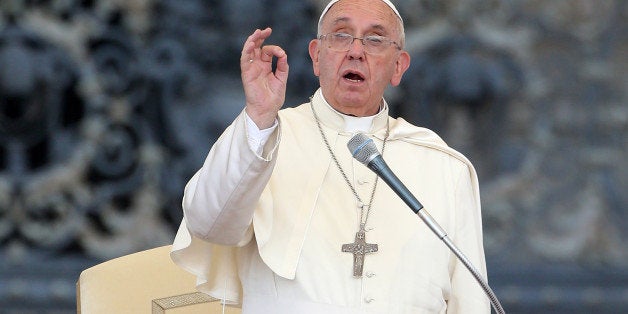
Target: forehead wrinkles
341, 21
383, 18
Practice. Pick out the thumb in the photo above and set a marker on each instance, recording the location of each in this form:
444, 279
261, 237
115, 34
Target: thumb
281, 73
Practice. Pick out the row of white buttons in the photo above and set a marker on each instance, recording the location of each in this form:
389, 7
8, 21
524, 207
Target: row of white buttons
368, 299
369, 274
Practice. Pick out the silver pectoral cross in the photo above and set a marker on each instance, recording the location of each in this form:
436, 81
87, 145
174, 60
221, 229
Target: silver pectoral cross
359, 248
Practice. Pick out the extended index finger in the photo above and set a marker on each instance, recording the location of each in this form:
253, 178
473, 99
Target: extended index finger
255, 41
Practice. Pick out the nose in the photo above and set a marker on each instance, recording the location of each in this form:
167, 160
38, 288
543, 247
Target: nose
356, 49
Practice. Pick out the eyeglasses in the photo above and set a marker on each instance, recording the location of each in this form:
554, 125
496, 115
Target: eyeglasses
373, 44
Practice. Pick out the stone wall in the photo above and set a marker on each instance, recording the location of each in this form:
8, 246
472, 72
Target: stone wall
108, 107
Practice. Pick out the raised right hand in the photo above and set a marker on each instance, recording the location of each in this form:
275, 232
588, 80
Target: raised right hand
264, 90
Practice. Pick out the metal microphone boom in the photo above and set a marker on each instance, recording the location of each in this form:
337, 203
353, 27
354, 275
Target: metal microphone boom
364, 150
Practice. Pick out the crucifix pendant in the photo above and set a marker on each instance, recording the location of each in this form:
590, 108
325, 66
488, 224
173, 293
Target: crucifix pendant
359, 248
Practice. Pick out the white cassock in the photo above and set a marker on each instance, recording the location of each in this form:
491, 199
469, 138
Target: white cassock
278, 217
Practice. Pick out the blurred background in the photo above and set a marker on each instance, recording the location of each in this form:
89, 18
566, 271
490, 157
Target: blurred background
108, 107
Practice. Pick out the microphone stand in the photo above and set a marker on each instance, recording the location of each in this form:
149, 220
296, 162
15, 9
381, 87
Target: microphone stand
378, 165
363, 149
441, 234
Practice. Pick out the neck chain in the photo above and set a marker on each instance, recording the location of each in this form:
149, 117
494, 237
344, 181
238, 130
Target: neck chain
359, 247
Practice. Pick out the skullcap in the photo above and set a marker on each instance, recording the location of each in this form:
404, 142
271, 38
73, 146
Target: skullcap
332, 2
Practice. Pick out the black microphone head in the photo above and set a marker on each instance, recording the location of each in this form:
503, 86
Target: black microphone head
362, 148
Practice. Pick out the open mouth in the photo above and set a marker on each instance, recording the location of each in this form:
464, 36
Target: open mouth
354, 77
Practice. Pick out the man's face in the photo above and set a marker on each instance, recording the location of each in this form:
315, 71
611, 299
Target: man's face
353, 81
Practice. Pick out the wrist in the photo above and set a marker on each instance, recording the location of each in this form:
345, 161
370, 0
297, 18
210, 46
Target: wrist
262, 120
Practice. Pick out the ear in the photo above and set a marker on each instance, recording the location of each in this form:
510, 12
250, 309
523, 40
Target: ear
403, 63
314, 49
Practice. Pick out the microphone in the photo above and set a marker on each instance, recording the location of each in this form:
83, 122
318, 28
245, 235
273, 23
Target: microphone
364, 150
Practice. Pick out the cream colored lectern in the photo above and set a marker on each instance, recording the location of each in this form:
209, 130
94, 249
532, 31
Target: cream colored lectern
143, 282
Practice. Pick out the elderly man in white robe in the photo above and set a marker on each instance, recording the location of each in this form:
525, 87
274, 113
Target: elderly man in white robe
281, 219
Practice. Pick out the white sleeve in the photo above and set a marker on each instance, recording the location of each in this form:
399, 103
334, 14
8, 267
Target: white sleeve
258, 138
219, 200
